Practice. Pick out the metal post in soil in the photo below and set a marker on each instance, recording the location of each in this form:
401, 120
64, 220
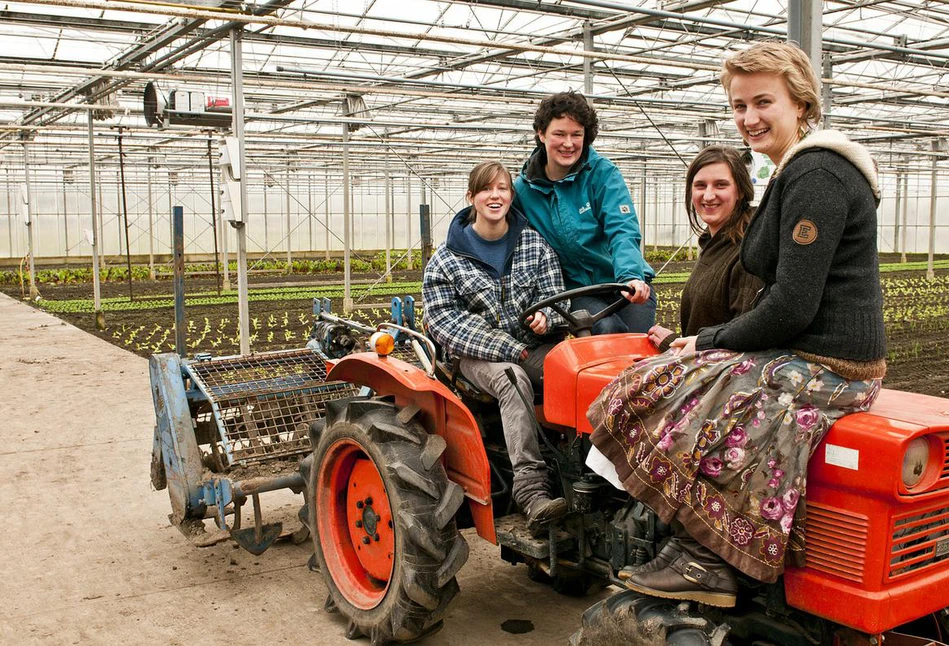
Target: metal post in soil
896, 212
347, 225
237, 84
28, 198
96, 287
125, 217
388, 227
903, 216
178, 244
151, 219
287, 190
217, 261
930, 274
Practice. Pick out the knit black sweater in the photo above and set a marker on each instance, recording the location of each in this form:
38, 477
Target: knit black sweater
813, 243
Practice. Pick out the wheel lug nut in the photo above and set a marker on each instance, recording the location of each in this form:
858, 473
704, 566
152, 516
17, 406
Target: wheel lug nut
365, 540
358, 523
375, 537
359, 504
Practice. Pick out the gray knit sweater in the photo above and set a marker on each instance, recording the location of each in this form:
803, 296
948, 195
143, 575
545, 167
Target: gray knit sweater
813, 243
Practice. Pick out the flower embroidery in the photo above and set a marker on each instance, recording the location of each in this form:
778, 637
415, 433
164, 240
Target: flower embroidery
786, 522
689, 405
660, 470
734, 457
737, 438
807, 417
772, 509
790, 498
664, 381
743, 367
740, 531
715, 506
615, 406
736, 402
711, 467
772, 548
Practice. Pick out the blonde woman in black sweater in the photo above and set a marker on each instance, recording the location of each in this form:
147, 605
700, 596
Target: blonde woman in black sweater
715, 435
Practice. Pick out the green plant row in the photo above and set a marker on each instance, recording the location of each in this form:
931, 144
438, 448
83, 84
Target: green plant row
119, 273
123, 304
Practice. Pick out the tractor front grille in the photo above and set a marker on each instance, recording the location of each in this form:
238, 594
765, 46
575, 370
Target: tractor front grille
836, 541
263, 404
919, 541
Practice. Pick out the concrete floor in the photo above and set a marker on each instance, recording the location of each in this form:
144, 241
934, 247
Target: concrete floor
87, 555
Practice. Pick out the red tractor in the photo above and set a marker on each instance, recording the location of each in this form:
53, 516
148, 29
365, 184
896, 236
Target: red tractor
397, 471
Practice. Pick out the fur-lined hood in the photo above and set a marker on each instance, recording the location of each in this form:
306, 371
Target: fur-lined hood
837, 142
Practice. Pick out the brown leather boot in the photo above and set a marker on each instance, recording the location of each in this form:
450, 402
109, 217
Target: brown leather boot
695, 574
663, 559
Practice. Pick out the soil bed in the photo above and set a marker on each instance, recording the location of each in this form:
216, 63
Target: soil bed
917, 313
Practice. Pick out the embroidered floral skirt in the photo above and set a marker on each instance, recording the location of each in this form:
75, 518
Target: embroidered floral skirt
720, 441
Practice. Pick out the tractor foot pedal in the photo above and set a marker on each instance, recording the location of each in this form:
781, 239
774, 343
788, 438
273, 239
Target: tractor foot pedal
512, 532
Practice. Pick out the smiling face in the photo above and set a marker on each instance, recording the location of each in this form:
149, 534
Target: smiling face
766, 115
714, 195
491, 204
563, 141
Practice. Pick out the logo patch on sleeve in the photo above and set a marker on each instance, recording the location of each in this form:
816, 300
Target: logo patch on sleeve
624, 208
805, 232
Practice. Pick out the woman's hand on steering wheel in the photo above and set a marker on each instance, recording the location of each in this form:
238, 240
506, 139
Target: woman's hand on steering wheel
638, 291
537, 323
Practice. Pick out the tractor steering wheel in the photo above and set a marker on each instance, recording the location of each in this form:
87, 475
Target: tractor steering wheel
579, 323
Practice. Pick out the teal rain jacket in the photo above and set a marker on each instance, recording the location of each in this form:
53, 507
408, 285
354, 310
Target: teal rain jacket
588, 218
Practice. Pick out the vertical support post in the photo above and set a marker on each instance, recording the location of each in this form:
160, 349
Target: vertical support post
65, 217
903, 217
30, 215
804, 28
125, 217
96, 288
266, 219
309, 210
389, 210
896, 211
408, 218
226, 270
237, 84
217, 260
930, 274
178, 244
587, 62
10, 216
101, 220
289, 231
347, 224
425, 232
642, 197
151, 219
827, 107
326, 209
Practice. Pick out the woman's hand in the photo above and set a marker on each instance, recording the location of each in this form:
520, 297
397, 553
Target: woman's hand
538, 323
657, 334
683, 345
639, 291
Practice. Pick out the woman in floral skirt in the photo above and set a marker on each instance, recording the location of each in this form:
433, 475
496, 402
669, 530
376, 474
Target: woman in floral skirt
715, 434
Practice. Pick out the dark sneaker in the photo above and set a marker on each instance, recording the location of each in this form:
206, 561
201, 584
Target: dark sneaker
542, 511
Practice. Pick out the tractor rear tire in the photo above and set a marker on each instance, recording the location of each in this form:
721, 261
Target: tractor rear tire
383, 510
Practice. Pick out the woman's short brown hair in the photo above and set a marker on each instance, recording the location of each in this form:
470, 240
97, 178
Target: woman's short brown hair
567, 104
738, 219
481, 176
785, 60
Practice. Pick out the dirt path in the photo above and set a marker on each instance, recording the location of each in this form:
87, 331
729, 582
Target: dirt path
88, 555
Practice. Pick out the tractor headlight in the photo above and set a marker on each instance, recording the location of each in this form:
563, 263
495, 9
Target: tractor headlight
382, 343
915, 461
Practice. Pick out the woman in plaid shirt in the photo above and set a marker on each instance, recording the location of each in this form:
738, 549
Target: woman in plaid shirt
491, 267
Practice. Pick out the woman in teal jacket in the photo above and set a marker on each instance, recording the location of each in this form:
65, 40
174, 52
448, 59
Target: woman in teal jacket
579, 203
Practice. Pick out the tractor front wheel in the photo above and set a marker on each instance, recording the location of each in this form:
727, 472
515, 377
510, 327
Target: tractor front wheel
384, 512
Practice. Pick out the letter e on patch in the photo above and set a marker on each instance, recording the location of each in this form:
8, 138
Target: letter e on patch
805, 232
624, 208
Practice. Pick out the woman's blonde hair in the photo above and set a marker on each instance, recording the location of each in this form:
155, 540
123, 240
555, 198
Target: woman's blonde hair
785, 60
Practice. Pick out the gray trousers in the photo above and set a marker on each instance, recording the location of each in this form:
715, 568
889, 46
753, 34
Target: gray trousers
523, 446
